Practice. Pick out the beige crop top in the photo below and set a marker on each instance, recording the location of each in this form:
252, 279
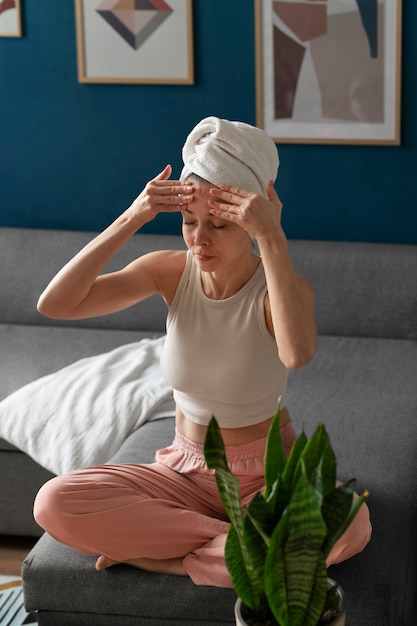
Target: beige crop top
219, 356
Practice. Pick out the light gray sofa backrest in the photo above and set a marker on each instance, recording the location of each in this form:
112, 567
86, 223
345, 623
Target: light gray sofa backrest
362, 289
29, 258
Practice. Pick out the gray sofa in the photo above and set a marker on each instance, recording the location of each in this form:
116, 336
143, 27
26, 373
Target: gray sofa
362, 384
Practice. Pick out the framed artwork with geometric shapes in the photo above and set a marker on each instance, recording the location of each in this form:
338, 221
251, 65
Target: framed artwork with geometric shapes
329, 71
10, 18
134, 41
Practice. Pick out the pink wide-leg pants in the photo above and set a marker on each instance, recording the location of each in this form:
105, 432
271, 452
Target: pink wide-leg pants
165, 510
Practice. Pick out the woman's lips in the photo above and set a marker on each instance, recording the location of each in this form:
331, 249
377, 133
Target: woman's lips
203, 258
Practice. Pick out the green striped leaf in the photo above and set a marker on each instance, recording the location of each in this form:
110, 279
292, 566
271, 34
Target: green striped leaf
227, 483
318, 450
302, 559
245, 561
244, 585
288, 476
275, 457
243, 550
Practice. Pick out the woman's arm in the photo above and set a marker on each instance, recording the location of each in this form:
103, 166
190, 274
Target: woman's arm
289, 306
79, 290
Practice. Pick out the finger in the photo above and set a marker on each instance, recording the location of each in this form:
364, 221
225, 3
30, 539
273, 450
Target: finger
166, 173
170, 204
174, 203
224, 196
272, 194
170, 189
236, 191
224, 211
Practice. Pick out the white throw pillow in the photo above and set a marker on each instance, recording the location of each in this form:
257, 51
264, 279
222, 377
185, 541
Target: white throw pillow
80, 415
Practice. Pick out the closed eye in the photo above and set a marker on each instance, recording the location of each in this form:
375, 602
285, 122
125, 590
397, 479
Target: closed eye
217, 227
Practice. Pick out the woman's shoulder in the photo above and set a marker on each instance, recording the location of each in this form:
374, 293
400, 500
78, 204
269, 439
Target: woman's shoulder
168, 257
168, 267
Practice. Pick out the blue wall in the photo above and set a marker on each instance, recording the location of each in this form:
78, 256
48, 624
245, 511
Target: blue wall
73, 156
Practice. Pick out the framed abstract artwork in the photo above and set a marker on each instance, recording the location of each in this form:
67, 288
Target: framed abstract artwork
134, 41
10, 18
328, 71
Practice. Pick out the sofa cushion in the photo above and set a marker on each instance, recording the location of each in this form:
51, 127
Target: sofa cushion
142, 444
364, 390
57, 578
20, 480
363, 289
352, 386
46, 251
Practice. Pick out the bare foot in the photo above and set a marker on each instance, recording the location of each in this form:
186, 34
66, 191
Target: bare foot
103, 562
167, 566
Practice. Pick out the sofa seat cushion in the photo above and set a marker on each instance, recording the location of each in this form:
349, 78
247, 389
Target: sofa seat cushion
59, 578
5, 445
364, 390
354, 385
20, 480
142, 444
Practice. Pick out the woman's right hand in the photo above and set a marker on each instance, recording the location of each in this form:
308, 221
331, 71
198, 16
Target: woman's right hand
161, 195
80, 290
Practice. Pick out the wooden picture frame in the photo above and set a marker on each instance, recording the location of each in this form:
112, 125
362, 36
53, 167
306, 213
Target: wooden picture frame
10, 18
122, 41
329, 72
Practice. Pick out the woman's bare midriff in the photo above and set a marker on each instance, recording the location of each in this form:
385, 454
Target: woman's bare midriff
231, 436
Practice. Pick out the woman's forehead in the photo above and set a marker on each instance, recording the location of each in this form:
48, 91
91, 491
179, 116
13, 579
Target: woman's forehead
200, 201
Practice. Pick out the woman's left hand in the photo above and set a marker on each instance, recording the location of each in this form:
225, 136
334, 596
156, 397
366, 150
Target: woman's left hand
257, 215
289, 305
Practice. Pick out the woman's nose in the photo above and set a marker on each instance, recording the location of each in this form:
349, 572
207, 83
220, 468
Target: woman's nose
201, 235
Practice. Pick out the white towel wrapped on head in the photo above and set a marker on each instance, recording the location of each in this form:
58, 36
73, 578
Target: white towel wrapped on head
233, 153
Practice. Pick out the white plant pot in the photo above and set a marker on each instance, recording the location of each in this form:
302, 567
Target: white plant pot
338, 621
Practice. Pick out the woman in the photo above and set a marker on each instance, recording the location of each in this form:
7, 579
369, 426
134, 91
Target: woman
237, 322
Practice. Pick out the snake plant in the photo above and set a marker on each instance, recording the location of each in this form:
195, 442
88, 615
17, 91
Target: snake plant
277, 546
